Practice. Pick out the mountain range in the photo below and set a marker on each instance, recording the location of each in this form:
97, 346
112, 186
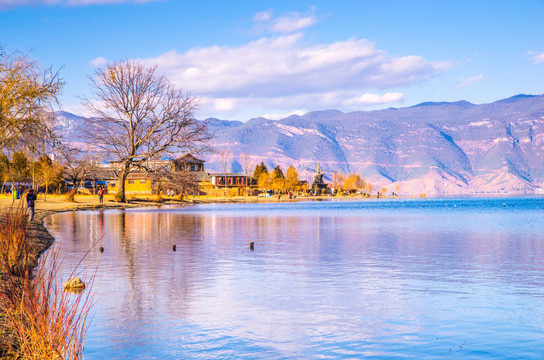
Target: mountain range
436, 148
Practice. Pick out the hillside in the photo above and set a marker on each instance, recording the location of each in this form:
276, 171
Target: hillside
433, 148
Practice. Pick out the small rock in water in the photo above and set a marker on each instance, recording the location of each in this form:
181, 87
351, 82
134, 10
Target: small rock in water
74, 284
101, 249
252, 245
174, 247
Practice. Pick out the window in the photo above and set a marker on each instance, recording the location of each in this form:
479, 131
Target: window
131, 181
143, 181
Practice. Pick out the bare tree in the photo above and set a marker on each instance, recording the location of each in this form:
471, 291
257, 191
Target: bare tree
246, 163
181, 181
226, 156
77, 165
246, 166
140, 115
26, 95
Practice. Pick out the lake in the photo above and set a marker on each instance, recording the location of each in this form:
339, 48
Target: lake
377, 279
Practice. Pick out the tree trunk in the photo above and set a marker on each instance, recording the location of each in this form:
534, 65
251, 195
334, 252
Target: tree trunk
121, 185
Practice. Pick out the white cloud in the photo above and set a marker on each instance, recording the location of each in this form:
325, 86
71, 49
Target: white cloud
292, 22
536, 58
283, 73
99, 61
224, 104
463, 82
375, 99
279, 116
263, 16
282, 66
286, 23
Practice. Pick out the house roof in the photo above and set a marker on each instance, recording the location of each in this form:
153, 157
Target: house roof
189, 158
202, 176
228, 174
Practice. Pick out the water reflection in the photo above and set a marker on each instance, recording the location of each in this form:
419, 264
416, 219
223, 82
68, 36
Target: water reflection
384, 279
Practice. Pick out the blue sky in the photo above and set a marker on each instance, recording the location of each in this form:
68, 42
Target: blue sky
245, 59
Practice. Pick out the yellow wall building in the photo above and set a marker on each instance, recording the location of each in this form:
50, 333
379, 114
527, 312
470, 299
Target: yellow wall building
136, 183
214, 184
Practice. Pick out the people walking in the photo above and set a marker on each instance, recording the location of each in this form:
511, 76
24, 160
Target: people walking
30, 203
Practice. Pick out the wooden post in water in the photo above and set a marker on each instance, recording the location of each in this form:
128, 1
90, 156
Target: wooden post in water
252, 246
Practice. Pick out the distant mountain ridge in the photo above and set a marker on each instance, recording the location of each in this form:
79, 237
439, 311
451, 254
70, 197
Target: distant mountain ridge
434, 148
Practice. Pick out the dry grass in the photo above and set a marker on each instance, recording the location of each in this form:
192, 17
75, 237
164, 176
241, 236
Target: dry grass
43, 320
71, 197
16, 255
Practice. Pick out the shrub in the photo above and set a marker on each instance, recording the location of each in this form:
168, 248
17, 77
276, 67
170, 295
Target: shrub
71, 196
42, 320
16, 256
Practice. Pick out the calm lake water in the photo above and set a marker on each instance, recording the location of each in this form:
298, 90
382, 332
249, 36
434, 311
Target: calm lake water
383, 279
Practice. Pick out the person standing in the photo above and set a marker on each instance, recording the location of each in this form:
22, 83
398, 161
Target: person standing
101, 195
30, 203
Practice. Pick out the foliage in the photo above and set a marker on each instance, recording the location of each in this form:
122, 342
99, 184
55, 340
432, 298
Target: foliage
19, 167
4, 170
42, 320
15, 253
291, 180
278, 173
259, 169
264, 182
277, 178
49, 173
353, 182
368, 187
26, 93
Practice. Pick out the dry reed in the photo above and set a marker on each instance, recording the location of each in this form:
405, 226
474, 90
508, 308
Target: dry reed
16, 255
43, 320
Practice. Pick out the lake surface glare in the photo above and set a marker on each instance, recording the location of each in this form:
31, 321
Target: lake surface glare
376, 279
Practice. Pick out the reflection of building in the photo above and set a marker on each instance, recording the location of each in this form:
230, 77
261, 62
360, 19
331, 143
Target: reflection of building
318, 185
